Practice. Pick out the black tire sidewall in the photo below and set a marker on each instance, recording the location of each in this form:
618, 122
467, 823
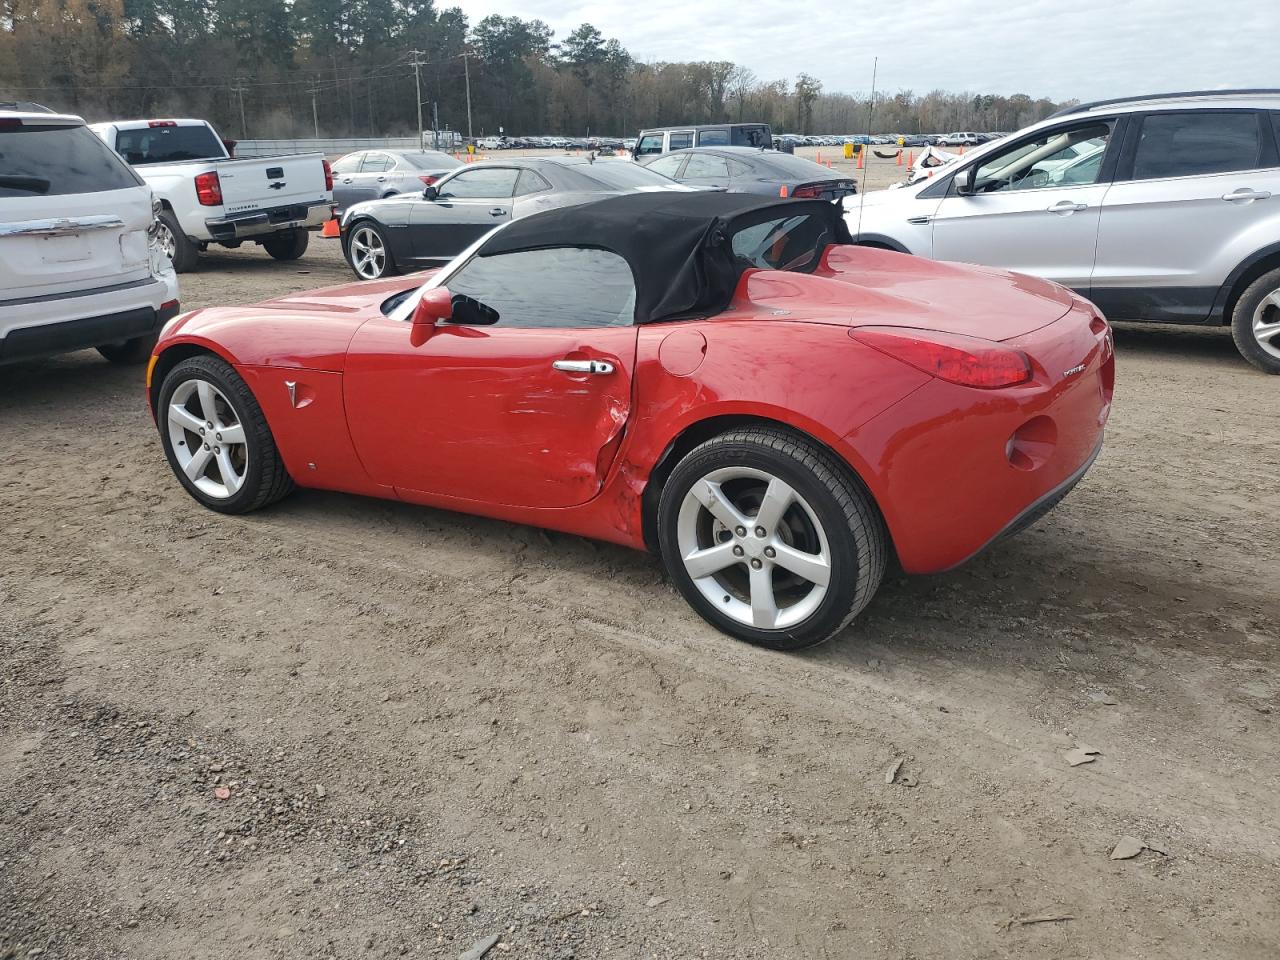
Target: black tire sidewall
219, 373
1242, 322
832, 612
289, 246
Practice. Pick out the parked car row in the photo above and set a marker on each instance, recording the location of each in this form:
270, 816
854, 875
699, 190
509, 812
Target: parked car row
897, 139
555, 143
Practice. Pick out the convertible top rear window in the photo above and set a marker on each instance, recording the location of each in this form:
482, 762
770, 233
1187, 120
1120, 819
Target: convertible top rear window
686, 250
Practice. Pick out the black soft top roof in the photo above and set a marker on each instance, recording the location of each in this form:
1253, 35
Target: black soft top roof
677, 244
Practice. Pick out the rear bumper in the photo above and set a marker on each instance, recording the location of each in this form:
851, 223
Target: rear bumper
270, 220
955, 469
28, 343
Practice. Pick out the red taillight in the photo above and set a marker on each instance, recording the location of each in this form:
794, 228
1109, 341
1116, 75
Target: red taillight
428, 178
328, 175
968, 361
208, 189
10, 123
810, 192
162, 123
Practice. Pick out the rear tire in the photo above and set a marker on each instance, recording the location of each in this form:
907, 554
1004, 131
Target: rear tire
127, 352
815, 566
1255, 323
181, 250
289, 245
246, 471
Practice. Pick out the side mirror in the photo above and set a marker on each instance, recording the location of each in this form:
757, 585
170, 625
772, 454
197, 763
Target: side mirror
436, 305
430, 193
964, 182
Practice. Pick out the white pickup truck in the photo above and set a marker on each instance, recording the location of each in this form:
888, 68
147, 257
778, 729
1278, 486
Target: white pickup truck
209, 197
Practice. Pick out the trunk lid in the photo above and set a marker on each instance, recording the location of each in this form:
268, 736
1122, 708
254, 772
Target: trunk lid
863, 286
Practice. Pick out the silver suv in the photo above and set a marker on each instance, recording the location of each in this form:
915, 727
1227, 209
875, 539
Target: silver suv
1159, 208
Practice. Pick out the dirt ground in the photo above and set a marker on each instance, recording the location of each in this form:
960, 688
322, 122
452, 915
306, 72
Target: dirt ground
351, 728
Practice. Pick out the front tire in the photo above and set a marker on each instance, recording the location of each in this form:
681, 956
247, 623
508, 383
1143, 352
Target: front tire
216, 438
1255, 323
769, 539
289, 245
368, 254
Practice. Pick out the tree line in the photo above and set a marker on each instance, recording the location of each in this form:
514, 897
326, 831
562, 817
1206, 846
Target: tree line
352, 68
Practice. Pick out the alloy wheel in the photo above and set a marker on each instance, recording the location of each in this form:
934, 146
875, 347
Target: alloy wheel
208, 439
1266, 323
754, 547
368, 254
166, 239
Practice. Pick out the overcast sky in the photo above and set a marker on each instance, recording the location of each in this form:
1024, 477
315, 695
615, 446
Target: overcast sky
1090, 49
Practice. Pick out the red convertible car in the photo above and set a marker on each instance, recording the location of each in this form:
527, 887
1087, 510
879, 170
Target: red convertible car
723, 379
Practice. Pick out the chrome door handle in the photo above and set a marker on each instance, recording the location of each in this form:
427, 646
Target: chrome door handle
497, 211
583, 366
382, 179
1246, 194
346, 179
1068, 206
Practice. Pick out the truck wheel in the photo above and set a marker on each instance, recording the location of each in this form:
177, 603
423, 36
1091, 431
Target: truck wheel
175, 243
289, 245
1255, 323
132, 351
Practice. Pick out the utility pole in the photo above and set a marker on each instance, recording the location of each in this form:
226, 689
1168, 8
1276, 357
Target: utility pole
435, 125
315, 114
417, 86
239, 90
466, 70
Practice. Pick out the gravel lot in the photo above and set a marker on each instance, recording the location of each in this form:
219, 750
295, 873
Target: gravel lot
350, 728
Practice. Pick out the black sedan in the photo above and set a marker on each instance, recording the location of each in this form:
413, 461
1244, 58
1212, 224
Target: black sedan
752, 170
430, 227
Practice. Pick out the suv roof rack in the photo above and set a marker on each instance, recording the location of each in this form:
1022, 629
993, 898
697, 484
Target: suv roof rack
1184, 95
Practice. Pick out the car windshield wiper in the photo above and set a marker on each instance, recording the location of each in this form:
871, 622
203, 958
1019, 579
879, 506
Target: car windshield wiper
29, 184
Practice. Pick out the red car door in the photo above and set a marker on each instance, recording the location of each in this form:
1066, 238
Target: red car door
521, 399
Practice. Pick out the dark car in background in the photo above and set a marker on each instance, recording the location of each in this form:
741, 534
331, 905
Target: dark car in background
370, 174
659, 140
748, 170
430, 226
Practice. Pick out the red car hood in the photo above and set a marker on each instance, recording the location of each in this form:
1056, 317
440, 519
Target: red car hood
863, 286
309, 329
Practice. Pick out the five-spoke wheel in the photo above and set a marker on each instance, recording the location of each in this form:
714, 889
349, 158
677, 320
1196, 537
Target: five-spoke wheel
1255, 322
216, 438
368, 254
208, 438
770, 538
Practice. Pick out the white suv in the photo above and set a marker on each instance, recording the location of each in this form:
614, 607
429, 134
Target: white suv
1159, 208
77, 265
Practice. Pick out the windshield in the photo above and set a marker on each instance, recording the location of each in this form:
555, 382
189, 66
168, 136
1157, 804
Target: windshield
620, 175
169, 145
431, 160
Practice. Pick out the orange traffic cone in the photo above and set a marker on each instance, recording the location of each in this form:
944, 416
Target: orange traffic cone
782, 190
819, 156
911, 159
899, 158
330, 228
861, 157
962, 149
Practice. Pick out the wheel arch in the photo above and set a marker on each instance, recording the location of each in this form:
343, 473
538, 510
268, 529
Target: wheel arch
700, 431
169, 358
1263, 261
880, 242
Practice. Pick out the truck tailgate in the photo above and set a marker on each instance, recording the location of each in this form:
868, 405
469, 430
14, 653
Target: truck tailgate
261, 183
